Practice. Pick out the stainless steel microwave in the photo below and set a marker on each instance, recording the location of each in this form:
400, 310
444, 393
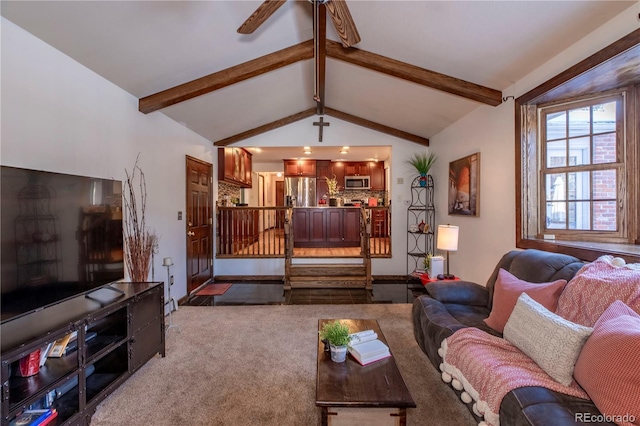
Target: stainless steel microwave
357, 182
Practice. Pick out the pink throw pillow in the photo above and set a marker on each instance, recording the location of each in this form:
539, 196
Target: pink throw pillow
507, 290
595, 287
607, 368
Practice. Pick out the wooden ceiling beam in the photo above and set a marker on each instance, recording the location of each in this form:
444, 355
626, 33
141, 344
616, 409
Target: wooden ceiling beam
414, 73
376, 126
321, 58
328, 111
266, 127
226, 77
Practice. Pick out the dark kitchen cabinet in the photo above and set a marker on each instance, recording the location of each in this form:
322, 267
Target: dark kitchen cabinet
376, 172
343, 226
300, 168
337, 169
356, 169
301, 224
323, 169
234, 166
326, 227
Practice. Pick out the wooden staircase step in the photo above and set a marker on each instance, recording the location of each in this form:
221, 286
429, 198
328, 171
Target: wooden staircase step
327, 270
328, 282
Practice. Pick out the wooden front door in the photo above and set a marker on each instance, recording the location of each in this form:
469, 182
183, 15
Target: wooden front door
199, 223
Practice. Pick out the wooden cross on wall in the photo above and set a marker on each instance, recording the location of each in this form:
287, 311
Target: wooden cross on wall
320, 125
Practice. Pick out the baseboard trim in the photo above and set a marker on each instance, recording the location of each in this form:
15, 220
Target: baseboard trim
275, 279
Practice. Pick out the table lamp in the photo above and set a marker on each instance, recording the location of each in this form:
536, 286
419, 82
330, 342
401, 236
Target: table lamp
448, 241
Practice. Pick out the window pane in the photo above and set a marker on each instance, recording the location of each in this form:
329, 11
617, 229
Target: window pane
556, 187
579, 151
557, 154
579, 186
604, 216
556, 215
580, 121
604, 117
579, 215
604, 148
557, 125
604, 185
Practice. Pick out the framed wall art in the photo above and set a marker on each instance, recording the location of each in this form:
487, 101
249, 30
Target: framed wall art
464, 186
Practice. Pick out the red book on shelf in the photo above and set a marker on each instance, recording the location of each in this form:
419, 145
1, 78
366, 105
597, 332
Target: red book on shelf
49, 418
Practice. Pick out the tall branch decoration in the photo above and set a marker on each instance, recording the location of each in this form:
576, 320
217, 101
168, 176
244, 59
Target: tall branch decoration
140, 240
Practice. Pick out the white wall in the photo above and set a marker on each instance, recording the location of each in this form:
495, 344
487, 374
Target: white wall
491, 131
59, 116
339, 134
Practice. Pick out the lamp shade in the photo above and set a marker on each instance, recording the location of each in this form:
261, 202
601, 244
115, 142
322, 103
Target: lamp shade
167, 261
447, 238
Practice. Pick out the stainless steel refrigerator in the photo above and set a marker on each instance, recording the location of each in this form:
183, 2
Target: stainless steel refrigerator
300, 191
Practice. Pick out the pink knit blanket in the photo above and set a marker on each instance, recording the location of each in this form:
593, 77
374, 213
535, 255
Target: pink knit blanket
488, 367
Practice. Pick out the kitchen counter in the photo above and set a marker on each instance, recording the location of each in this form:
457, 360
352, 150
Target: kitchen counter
327, 206
326, 226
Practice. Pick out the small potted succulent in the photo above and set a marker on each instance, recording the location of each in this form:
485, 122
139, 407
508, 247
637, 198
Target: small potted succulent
422, 163
336, 334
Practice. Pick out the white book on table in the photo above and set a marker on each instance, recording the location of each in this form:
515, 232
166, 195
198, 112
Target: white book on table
368, 349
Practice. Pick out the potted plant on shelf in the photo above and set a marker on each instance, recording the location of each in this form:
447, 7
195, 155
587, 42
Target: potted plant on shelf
332, 188
336, 334
422, 162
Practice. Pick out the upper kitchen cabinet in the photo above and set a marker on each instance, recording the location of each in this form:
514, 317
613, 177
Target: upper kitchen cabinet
376, 172
234, 166
356, 169
337, 169
300, 168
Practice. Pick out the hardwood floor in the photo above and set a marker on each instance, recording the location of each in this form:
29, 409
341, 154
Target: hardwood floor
273, 294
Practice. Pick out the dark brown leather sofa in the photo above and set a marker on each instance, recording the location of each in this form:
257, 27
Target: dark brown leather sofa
450, 306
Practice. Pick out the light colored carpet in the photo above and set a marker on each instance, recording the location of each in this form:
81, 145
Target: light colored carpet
256, 365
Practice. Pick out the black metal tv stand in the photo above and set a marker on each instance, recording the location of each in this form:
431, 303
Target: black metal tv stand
124, 333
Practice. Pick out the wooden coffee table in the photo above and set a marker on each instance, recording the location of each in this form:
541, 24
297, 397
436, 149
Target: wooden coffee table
352, 394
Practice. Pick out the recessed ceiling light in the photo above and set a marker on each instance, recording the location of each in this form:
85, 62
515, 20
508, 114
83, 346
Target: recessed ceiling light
344, 148
306, 148
344, 151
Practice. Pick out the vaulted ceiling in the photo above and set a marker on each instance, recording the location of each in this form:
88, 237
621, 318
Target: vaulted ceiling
421, 65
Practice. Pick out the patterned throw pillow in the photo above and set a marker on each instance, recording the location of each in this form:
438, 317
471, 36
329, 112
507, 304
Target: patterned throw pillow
595, 287
608, 366
551, 341
506, 291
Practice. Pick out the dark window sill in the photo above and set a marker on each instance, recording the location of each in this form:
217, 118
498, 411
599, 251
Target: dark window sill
584, 250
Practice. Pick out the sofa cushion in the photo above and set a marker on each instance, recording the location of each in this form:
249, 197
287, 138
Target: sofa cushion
462, 292
507, 290
595, 287
535, 266
607, 368
551, 341
535, 405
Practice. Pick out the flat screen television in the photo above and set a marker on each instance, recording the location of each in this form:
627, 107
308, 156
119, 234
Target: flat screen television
60, 237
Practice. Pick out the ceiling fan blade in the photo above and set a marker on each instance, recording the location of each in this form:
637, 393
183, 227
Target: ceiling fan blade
342, 20
261, 14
